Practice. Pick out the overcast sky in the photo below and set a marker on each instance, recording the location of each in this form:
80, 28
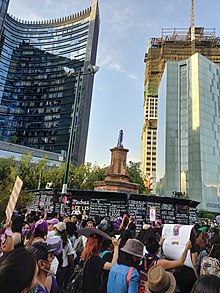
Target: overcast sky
126, 26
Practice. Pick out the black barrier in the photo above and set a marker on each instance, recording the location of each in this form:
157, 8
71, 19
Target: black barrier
111, 205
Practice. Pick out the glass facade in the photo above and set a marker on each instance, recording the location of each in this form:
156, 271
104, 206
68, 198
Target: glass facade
189, 133
37, 99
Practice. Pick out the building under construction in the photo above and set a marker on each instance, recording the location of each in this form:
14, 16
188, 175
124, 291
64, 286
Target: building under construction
174, 45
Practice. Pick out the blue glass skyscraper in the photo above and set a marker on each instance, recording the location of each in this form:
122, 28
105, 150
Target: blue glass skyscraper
188, 145
36, 97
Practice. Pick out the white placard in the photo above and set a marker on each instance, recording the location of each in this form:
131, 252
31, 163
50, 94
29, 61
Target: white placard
176, 236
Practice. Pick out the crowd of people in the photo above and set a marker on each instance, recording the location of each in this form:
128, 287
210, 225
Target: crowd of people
77, 254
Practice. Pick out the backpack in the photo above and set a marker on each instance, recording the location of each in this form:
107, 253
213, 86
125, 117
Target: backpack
210, 265
148, 262
75, 283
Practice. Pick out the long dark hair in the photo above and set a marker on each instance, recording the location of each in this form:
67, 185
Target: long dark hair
207, 284
17, 270
126, 259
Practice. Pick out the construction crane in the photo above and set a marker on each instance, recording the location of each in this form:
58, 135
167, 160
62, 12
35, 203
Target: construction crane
192, 28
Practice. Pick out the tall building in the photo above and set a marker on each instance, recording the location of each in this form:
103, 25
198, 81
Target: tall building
189, 131
173, 45
38, 101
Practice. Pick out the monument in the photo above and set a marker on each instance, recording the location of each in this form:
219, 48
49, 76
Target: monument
116, 175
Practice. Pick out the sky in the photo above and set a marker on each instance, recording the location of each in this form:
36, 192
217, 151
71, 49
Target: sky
125, 27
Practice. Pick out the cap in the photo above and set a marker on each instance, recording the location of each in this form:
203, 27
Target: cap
60, 226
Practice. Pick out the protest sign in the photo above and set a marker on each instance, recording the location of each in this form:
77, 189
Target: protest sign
176, 236
152, 214
13, 198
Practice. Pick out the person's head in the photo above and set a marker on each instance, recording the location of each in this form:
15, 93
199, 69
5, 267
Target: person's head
71, 228
89, 224
17, 223
79, 218
107, 245
74, 218
18, 271
207, 284
40, 228
92, 247
44, 254
60, 229
56, 215
215, 251
125, 235
160, 281
152, 245
131, 253
51, 223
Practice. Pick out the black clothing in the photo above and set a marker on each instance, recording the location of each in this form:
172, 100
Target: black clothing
92, 274
107, 258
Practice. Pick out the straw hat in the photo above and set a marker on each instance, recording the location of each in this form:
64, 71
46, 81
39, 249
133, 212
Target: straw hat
160, 281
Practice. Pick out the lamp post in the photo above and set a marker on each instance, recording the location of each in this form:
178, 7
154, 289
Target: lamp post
91, 69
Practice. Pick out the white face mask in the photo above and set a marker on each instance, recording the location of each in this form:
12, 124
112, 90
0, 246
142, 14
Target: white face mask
53, 267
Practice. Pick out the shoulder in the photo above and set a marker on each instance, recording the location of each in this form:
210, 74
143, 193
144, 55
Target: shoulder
96, 260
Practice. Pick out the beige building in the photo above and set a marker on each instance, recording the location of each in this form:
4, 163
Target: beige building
173, 45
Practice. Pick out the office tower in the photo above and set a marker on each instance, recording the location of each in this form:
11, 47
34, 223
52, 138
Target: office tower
38, 101
174, 45
189, 131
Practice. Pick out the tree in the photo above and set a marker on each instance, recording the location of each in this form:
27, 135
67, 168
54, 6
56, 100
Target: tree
134, 172
206, 214
27, 170
93, 173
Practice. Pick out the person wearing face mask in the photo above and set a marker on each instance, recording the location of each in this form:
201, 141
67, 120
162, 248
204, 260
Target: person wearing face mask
124, 277
18, 272
44, 254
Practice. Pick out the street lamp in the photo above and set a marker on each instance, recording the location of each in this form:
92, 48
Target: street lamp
91, 69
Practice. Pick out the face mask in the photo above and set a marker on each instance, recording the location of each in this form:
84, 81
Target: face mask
25, 231
53, 267
34, 289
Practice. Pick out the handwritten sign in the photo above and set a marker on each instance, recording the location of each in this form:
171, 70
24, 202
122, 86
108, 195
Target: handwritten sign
13, 198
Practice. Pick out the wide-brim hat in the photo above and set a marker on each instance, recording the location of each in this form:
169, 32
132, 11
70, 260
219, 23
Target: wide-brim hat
53, 221
134, 247
90, 231
40, 249
160, 281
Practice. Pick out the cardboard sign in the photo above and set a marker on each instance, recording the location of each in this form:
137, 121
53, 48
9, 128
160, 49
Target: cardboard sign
13, 198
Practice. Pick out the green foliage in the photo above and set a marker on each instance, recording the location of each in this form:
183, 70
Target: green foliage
37, 174
206, 214
55, 176
93, 173
134, 172
14, 139
27, 170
